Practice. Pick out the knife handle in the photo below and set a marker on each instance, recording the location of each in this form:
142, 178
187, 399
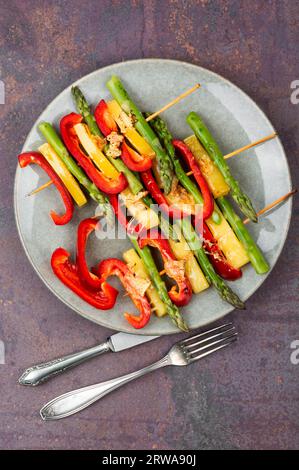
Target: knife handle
39, 373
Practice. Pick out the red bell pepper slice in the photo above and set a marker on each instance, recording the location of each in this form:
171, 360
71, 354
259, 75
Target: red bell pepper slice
208, 201
71, 140
35, 157
217, 258
133, 160
116, 267
155, 239
104, 119
85, 228
104, 298
156, 193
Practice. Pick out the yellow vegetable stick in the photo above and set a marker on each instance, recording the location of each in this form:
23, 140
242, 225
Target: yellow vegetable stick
135, 263
135, 139
227, 241
61, 170
181, 251
210, 171
90, 146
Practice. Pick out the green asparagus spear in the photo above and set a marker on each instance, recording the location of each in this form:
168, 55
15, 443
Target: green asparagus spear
195, 244
153, 272
54, 140
165, 136
165, 166
203, 134
84, 109
256, 257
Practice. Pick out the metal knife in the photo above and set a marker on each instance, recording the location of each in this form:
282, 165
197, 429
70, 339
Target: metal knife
35, 375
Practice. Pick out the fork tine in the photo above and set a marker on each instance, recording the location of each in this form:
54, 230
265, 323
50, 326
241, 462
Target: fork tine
185, 341
225, 342
209, 338
213, 343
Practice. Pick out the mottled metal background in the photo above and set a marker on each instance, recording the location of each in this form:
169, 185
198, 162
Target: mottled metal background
245, 398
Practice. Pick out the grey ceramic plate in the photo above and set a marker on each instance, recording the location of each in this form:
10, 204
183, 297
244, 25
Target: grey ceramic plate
233, 118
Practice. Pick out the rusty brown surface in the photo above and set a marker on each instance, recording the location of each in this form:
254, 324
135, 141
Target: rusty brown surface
249, 399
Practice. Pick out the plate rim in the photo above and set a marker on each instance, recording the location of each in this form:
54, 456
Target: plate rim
124, 63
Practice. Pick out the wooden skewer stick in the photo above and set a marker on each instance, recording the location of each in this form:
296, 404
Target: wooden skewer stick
262, 211
171, 103
253, 144
246, 147
273, 204
44, 186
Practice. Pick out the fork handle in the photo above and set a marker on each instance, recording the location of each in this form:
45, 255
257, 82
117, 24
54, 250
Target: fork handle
39, 373
76, 400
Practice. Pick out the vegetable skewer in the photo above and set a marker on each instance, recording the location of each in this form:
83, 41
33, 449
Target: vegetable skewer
120, 166
164, 162
134, 182
54, 140
163, 133
256, 257
84, 109
152, 270
189, 233
76, 136
204, 135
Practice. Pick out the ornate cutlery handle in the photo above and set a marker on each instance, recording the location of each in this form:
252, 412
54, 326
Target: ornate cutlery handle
76, 400
41, 372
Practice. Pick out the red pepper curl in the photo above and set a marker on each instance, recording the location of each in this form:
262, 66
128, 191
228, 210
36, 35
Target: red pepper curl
85, 228
115, 267
133, 160
104, 119
71, 141
104, 298
208, 201
35, 157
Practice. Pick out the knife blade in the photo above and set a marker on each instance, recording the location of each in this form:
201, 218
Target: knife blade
39, 373
121, 341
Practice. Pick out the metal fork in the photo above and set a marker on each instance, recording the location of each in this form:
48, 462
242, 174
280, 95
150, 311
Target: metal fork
183, 353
